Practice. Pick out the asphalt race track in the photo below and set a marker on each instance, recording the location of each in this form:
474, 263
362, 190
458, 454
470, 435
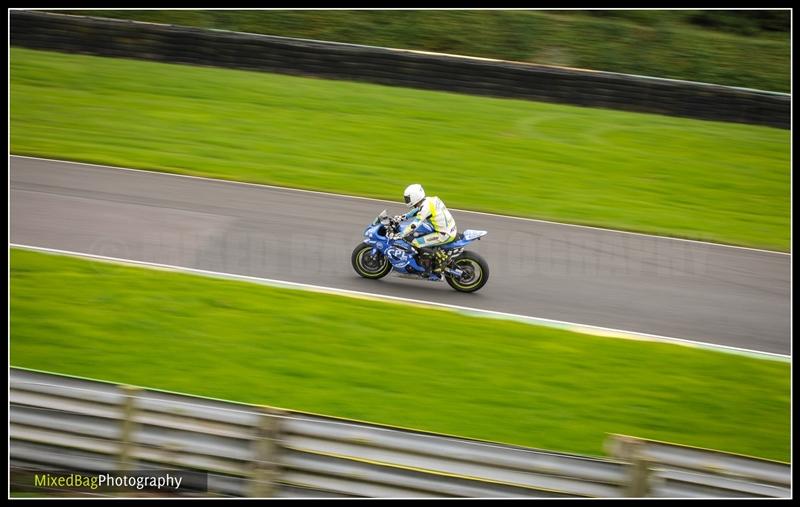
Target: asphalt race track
682, 289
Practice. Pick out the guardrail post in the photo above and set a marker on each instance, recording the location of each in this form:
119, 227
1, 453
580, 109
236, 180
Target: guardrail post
631, 450
126, 443
266, 447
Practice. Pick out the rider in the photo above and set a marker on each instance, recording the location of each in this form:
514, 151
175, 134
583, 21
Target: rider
432, 209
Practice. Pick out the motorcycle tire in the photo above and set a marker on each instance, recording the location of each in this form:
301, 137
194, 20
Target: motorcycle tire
368, 266
476, 272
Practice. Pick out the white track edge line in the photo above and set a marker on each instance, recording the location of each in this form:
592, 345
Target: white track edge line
331, 194
476, 312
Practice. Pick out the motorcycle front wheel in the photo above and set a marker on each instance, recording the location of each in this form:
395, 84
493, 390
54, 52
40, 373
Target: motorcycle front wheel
475, 272
368, 265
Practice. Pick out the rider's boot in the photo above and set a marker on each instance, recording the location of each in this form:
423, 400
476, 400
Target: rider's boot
440, 256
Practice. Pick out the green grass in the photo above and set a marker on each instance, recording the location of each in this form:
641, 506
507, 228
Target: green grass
389, 363
704, 180
665, 43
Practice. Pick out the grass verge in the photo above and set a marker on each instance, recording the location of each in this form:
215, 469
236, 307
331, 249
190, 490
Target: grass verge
703, 180
396, 364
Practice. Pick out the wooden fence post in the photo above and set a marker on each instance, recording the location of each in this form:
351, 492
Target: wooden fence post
631, 450
126, 443
266, 447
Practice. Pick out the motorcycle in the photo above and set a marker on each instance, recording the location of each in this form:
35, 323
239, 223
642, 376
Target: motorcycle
382, 251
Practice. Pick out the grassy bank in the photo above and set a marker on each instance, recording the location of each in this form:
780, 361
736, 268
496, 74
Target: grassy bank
704, 180
481, 378
705, 46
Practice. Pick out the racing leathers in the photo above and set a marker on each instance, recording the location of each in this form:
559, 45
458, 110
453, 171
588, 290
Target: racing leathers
444, 227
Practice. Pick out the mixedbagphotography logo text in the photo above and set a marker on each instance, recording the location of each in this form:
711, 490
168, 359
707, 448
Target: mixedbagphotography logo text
166, 481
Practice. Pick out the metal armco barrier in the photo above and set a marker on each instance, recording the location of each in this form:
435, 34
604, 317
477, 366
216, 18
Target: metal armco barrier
121, 38
65, 423
59, 421
677, 471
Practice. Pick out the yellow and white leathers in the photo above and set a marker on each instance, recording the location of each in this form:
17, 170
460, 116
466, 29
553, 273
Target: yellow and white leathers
433, 210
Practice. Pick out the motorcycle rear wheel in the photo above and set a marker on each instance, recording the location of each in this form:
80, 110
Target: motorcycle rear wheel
476, 272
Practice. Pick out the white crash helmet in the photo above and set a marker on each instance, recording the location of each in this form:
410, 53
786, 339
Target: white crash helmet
413, 195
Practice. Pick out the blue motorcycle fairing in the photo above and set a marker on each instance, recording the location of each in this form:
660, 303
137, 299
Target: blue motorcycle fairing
456, 244
423, 229
464, 239
400, 252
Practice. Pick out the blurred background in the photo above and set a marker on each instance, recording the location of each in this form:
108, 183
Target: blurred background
714, 46
261, 359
